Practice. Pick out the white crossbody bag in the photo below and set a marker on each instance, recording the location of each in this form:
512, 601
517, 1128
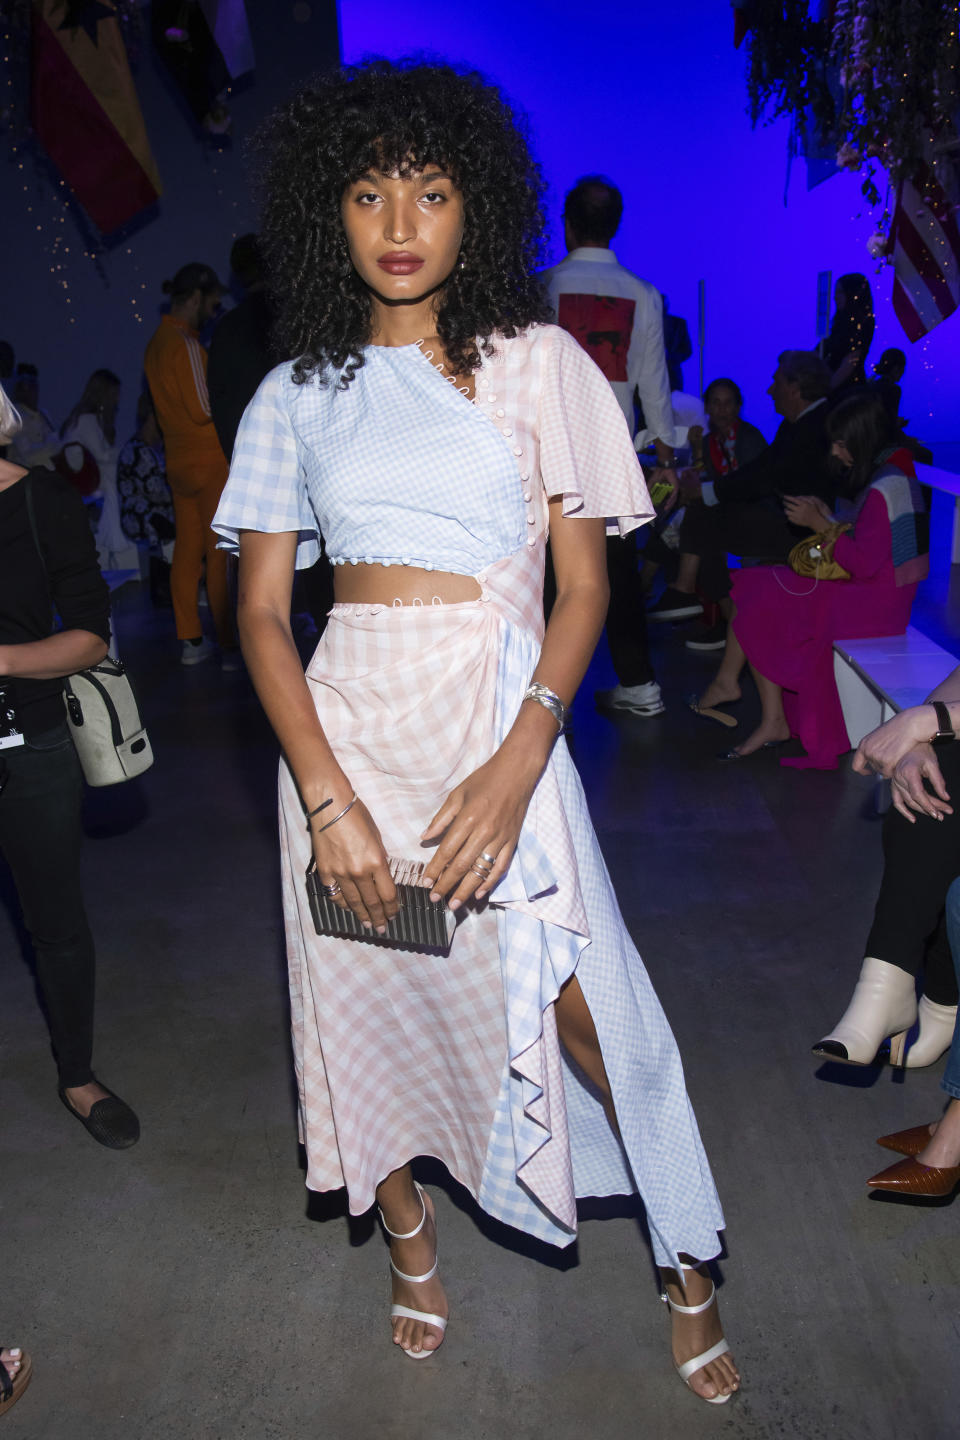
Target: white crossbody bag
102, 712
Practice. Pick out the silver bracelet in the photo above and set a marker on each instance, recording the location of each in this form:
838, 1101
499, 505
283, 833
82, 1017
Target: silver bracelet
546, 697
353, 801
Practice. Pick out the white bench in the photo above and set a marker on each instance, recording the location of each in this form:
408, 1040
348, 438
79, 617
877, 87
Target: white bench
878, 678
949, 483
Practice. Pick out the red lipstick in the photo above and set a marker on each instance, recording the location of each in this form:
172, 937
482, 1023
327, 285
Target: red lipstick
400, 262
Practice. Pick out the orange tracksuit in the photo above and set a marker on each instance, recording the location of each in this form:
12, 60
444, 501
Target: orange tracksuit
176, 367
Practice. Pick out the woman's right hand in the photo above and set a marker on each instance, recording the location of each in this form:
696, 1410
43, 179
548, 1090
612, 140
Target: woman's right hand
807, 511
351, 854
907, 786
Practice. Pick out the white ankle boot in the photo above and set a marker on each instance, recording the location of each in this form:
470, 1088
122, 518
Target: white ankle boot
884, 1003
934, 1036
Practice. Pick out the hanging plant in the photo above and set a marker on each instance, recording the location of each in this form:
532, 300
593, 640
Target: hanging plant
787, 63
899, 72
895, 97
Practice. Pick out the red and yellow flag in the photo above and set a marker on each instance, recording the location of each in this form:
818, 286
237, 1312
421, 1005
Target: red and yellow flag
85, 111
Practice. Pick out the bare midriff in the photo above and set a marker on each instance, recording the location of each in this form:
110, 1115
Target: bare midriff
406, 584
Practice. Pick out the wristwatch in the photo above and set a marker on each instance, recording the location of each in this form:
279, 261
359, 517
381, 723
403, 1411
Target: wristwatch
945, 731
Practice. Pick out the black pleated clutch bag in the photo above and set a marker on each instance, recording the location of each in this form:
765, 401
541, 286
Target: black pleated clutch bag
419, 924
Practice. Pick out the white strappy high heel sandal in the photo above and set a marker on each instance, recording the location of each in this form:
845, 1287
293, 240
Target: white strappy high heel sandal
697, 1362
403, 1312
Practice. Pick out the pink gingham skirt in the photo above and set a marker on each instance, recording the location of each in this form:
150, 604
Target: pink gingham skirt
400, 1054
397, 1054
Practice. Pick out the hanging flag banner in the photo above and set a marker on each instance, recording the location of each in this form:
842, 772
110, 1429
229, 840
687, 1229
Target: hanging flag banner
926, 256
85, 112
227, 22
205, 45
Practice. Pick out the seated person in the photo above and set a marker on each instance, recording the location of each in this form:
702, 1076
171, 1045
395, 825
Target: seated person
784, 624
923, 781
908, 938
729, 445
930, 1168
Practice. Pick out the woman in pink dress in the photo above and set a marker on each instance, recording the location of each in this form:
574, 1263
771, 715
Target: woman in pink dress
785, 624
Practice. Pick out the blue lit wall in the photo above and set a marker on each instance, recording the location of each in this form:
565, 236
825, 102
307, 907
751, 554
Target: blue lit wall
654, 94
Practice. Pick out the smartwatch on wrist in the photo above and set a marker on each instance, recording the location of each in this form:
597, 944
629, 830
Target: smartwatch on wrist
944, 732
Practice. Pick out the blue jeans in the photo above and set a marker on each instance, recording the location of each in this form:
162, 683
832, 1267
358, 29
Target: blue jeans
40, 841
951, 1076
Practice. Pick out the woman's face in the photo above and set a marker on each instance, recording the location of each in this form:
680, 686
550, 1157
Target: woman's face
723, 407
841, 453
403, 232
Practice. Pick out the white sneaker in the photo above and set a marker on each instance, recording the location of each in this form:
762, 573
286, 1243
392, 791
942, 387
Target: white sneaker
191, 654
638, 699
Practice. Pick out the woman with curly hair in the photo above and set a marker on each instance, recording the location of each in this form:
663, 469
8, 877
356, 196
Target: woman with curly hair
431, 427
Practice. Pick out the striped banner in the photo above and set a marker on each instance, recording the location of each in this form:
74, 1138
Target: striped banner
85, 111
926, 256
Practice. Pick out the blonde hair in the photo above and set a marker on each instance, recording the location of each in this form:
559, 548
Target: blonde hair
10, 422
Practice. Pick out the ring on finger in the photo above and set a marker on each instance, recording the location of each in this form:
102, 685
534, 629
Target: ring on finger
484, 874
331, 890
489, 859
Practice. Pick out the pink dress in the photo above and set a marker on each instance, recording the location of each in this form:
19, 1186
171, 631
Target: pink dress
787, 623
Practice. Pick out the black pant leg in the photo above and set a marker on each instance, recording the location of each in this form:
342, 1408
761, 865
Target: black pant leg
702, 534
920, 861
40, 838
752, 529
626, 613
939, 968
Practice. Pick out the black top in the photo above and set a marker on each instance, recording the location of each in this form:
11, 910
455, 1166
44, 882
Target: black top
795, 463
240, 356
72, 579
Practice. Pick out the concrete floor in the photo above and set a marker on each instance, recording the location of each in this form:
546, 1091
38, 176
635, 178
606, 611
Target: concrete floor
192, 1288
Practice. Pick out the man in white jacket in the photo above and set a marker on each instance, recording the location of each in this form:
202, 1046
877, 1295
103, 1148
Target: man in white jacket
618, 319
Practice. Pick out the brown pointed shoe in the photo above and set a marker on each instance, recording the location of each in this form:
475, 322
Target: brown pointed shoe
910, 1177
907, 1142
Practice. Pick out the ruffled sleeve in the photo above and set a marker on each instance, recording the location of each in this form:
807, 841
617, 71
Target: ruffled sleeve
266, 489
586, 454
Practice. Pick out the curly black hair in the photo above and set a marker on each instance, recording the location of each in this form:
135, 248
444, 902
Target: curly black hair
397, 117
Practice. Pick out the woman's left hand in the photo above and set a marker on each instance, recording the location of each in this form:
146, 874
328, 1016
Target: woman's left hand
808, 511
480, 818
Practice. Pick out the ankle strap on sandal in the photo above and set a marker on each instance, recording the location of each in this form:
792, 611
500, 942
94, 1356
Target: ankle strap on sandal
690, 1309
409, 1234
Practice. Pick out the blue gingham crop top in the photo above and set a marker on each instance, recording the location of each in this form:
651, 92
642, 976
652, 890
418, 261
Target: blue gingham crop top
401, 468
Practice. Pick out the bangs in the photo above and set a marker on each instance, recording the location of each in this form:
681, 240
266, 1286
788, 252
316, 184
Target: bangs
401, 153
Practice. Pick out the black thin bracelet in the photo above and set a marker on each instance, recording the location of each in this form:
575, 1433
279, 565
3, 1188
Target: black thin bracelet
322, 806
